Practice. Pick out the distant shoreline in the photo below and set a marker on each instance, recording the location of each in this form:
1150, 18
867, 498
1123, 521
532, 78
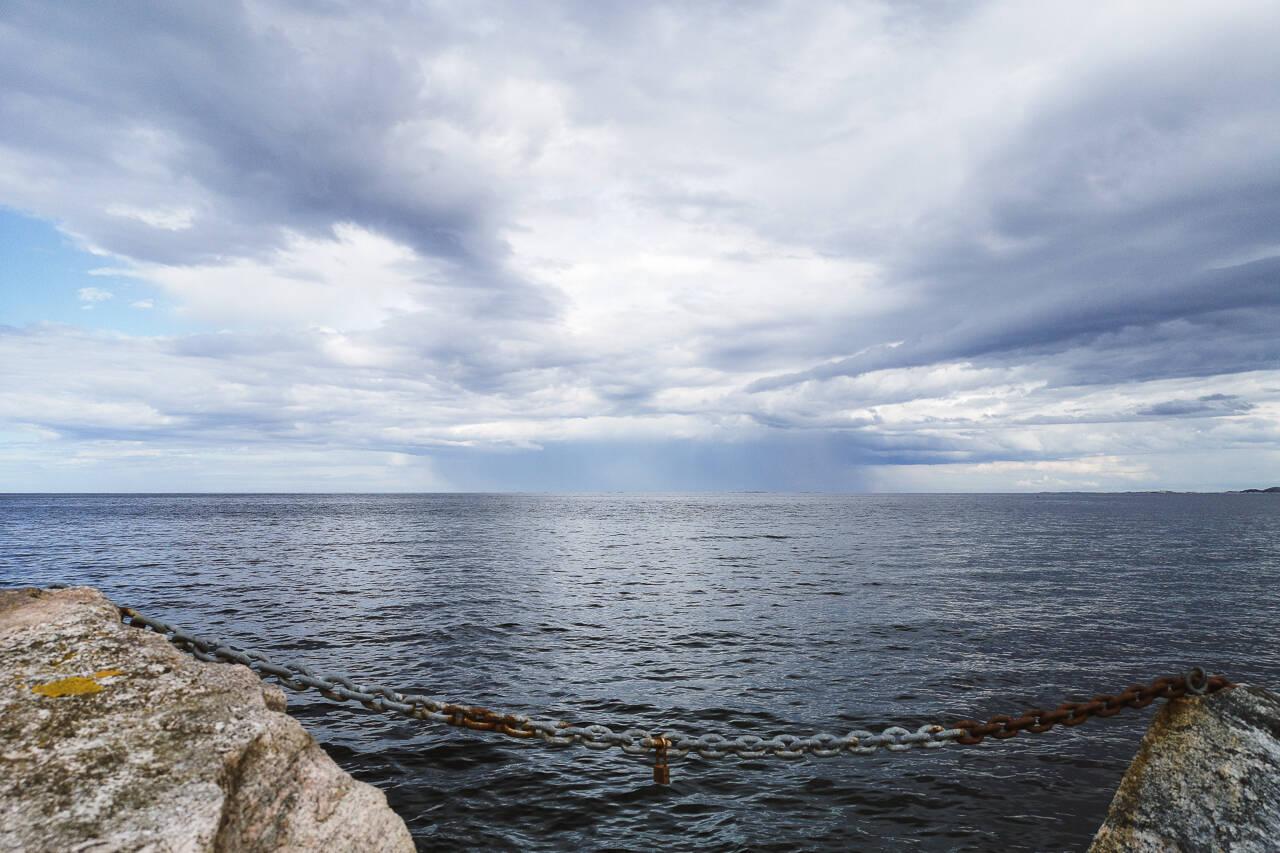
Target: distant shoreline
3, 494
1273, 490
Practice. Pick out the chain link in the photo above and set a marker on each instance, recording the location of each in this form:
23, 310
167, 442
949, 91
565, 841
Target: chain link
664, 746
1037, 720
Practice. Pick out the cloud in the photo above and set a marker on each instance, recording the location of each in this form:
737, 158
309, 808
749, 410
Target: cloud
167, 219
904, 235
1209, 404
192, 134
356, 279
93, 295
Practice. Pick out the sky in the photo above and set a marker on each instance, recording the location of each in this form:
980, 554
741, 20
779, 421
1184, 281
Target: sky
390, 245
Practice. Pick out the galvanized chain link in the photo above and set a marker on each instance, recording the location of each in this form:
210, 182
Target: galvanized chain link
553, 732
663, 745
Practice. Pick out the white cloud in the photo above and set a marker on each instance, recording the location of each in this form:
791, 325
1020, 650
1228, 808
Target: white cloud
355, 280
166, 219
91, 296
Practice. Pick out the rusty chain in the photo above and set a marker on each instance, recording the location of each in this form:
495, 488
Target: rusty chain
1037, 720
639, 742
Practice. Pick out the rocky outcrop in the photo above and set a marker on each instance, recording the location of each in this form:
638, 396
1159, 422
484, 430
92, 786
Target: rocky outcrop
1206, 778
113, 740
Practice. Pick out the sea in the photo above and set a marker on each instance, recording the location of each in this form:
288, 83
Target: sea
731, 614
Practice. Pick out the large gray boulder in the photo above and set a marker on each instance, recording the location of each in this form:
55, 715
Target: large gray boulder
113, 740
1206, 778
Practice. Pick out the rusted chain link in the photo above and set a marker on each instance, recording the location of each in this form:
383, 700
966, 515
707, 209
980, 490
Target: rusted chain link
640, 742
1037, 720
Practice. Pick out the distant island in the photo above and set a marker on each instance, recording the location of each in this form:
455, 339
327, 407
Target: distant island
1274, 490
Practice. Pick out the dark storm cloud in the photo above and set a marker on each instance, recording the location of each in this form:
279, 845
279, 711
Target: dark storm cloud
1120, 208
1209, 404
256, 128
1035, 326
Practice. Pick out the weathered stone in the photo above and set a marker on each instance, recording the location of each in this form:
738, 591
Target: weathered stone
113, 740
1206, 778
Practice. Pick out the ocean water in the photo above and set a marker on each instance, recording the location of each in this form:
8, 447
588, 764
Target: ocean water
735, 614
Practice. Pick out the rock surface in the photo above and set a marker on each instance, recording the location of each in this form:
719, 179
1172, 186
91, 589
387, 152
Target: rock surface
113, 740
1206, 777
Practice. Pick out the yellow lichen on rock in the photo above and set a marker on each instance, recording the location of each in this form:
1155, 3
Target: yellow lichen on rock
174, 754
1206, 777
73, 686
